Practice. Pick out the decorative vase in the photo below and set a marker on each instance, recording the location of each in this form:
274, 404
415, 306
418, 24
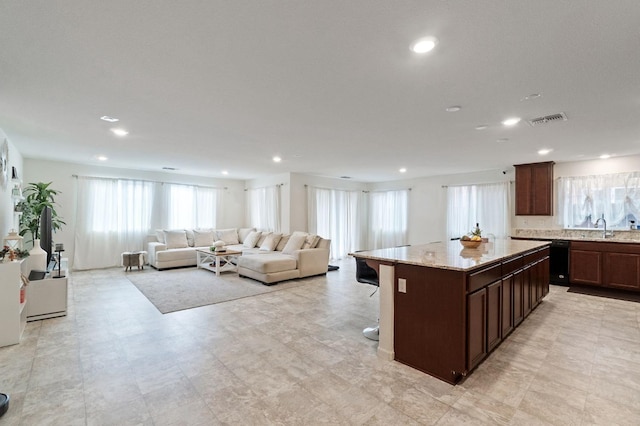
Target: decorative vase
37, 257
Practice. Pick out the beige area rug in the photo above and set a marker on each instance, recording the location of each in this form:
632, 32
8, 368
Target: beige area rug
177, 289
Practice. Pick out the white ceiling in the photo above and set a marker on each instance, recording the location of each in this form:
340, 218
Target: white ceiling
329, 85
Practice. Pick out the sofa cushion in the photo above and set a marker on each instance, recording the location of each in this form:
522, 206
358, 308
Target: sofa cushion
252, 239
295, 243
243, 233
203, 238
263, 237
189, 233
283, 242
175, 238
229, 236
271, 242
310, 241
268, 263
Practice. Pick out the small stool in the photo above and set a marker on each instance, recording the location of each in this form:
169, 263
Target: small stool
131, 259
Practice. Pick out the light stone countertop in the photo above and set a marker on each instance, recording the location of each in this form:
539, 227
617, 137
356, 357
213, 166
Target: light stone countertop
451, 254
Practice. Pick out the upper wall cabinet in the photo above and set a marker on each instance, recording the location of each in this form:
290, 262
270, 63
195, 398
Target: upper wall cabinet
534, 189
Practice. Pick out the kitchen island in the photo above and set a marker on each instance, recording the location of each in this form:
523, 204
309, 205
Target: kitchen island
443, 308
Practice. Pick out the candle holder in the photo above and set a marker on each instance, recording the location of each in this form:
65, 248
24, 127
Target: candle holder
59, 273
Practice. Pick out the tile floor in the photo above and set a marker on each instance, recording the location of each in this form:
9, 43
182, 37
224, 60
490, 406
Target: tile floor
297, 357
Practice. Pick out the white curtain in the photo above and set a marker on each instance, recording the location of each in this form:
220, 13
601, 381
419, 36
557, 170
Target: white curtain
485, 204
339, 215
263, 208
388, 218
584, 199
113, 216
190, 207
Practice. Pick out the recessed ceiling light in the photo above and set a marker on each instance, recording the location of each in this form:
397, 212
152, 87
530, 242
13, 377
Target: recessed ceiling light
511, 121
481, 127
109, 119
277, 159
532, 97
544, 151
120, 132
224, 172
453, 108
424, 45
502, 140
403, 170
102, 157
605, 156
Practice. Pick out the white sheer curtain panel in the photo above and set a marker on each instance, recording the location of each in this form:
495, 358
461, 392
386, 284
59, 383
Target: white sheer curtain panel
584, 199
189, 206
263, 208
112, 216
339, 215
388, 218
485, 204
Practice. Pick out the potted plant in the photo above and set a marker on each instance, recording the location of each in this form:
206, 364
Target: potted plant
37, 197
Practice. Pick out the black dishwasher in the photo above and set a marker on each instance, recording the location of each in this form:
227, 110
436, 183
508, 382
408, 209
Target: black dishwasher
559, 262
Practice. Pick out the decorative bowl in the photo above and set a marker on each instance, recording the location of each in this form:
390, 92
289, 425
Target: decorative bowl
470, 244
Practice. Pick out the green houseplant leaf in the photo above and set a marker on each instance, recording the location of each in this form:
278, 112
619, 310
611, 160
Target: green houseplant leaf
37, 197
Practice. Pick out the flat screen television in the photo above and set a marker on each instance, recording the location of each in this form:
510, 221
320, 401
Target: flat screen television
46, 233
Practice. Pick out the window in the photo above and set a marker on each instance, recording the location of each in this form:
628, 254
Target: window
485, 204
584, 199
190, 207
388, 215
338, 215
263, 208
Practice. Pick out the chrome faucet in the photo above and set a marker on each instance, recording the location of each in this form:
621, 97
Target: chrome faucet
604, 222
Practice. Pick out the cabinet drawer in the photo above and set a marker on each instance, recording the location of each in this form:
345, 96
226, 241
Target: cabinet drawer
512, 264
484, 277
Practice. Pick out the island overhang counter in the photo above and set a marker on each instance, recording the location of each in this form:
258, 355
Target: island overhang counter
444, 308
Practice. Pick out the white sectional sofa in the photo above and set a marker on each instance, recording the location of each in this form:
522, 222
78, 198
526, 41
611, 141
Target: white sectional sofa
266, 257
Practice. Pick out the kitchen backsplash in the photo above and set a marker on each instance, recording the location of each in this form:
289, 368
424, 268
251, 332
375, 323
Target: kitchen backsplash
576, 234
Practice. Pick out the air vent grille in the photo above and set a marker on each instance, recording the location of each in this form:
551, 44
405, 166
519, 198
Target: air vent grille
547, 119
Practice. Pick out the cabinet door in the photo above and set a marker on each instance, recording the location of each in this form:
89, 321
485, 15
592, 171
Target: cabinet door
622, 270
526, 289
524, 185
507, 305
544, 276
585, 267
542, 189
476, 327
518, 314
494, 313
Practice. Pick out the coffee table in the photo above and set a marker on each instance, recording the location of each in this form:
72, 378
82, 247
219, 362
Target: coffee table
212, 260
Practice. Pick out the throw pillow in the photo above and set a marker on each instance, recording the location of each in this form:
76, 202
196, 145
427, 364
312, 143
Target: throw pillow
229, 236
243, 233
271, 242
252, 239
160, 236
262, 238
283, 242
202, 238
311, 241
189, 233
175, 238
295, 243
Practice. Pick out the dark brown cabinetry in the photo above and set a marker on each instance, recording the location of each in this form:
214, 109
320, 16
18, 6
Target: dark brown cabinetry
446, 322
534, 189
606, 264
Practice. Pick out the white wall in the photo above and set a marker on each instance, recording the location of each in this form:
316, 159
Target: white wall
428, 201
60, 174
629, 163
8, 220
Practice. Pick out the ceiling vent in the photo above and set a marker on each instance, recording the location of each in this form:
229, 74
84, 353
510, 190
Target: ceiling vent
547, 119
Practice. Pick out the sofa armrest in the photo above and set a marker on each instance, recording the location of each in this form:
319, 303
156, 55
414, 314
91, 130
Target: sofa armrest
313, 261
152, 249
